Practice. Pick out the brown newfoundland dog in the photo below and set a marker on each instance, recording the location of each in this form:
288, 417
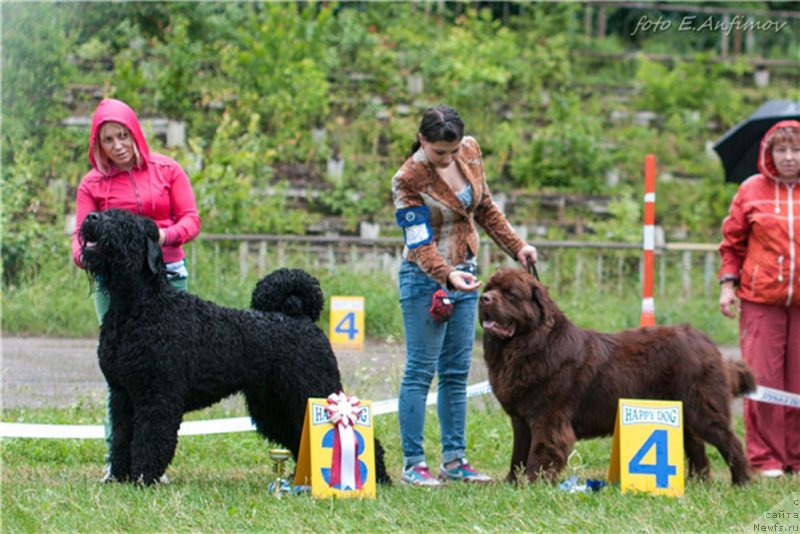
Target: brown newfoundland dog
559, 382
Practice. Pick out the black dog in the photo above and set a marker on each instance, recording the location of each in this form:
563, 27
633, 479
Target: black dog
165, 352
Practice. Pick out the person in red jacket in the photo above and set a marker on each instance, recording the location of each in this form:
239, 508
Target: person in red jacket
126, 175
760, 254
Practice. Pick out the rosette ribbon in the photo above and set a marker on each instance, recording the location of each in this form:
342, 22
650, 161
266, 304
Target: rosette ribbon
343, 412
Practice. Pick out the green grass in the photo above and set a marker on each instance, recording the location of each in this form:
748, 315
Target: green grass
219, 484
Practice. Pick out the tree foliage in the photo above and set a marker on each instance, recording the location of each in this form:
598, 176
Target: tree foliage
270, 91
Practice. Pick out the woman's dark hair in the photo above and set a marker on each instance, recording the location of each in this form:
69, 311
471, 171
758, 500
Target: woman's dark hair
439, 123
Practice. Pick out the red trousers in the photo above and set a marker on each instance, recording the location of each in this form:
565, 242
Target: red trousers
769, 337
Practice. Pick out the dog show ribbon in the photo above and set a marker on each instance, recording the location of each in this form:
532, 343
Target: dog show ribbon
343, 412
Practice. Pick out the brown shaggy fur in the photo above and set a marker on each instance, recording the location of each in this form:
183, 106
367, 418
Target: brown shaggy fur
559, 382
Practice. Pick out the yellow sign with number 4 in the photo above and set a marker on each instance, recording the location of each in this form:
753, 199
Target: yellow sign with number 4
347, 322
647, 453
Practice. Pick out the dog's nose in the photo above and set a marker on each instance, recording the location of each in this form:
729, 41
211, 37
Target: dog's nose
486, 298
93, 216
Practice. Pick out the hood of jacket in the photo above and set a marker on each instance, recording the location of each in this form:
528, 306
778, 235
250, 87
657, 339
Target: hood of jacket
111, 110
766, 165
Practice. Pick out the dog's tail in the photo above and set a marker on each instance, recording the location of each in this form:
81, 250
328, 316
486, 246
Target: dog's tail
293, 292
740, 378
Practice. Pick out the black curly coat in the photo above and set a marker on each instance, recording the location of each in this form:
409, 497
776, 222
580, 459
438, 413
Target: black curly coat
165, 352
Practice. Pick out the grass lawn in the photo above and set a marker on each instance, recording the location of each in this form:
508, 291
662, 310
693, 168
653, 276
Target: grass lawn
218, 483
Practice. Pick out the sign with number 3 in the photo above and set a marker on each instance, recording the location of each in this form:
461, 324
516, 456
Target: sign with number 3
337, 448
647, 453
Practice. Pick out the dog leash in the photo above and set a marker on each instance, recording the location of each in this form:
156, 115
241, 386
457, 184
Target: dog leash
532, 269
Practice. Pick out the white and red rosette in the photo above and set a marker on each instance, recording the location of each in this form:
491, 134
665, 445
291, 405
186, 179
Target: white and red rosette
343, 412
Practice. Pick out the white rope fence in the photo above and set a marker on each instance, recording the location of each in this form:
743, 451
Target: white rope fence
244, 424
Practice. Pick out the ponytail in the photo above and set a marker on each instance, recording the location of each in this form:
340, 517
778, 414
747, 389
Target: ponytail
414, 147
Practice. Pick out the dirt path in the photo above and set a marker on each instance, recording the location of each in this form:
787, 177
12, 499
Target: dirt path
41, 372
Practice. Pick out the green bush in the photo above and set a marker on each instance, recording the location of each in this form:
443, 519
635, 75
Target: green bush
253, 80
233, 190
690, 86
566, 154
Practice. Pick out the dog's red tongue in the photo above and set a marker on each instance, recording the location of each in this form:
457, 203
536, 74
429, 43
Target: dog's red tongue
498, 330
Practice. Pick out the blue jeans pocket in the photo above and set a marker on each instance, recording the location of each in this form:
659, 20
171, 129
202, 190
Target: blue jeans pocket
414, 282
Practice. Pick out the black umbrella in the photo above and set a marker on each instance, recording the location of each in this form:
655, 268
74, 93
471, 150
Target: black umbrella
738, 148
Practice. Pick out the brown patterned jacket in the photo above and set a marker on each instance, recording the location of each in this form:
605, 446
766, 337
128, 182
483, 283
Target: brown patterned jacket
452, 231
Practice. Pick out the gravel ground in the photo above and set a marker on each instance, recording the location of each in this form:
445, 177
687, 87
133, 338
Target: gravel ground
39, 372
42, 372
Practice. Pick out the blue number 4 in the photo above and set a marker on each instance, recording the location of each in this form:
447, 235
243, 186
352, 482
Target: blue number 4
661, 469
347, 326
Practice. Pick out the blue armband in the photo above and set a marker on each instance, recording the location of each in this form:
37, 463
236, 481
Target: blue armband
416, 226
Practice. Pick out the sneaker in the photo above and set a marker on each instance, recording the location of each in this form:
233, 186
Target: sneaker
772, 473
463, 472
420, 475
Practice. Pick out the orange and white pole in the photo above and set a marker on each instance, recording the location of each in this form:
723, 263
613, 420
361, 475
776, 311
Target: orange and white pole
648, 305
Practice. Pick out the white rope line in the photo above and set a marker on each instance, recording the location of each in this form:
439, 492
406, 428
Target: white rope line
245, 424
774, 396
188, 428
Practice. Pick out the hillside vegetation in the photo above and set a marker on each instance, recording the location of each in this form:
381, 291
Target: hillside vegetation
294, 116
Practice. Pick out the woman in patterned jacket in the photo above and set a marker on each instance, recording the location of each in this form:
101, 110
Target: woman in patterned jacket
440, 193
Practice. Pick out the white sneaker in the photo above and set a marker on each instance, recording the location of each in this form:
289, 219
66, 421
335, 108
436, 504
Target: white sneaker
772, 473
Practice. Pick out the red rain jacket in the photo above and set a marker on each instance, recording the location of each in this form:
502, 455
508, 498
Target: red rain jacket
159, 189
761, 235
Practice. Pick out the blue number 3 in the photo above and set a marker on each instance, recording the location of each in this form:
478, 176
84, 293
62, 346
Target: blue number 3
347, 326
661, 469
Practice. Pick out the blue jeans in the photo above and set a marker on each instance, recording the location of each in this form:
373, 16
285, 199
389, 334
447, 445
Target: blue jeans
434, 348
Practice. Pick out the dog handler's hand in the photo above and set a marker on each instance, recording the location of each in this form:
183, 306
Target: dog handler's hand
463, 281
161, 236
527, 255
728, 303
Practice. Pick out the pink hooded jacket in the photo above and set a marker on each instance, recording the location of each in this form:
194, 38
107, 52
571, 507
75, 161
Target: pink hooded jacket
158, 189
761, 235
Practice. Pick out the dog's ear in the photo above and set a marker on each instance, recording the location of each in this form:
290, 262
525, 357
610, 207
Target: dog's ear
154, 255
542, 301
154, 258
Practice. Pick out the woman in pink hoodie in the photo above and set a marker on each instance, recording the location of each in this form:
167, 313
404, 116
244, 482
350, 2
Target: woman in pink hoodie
126, 175
760, 278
